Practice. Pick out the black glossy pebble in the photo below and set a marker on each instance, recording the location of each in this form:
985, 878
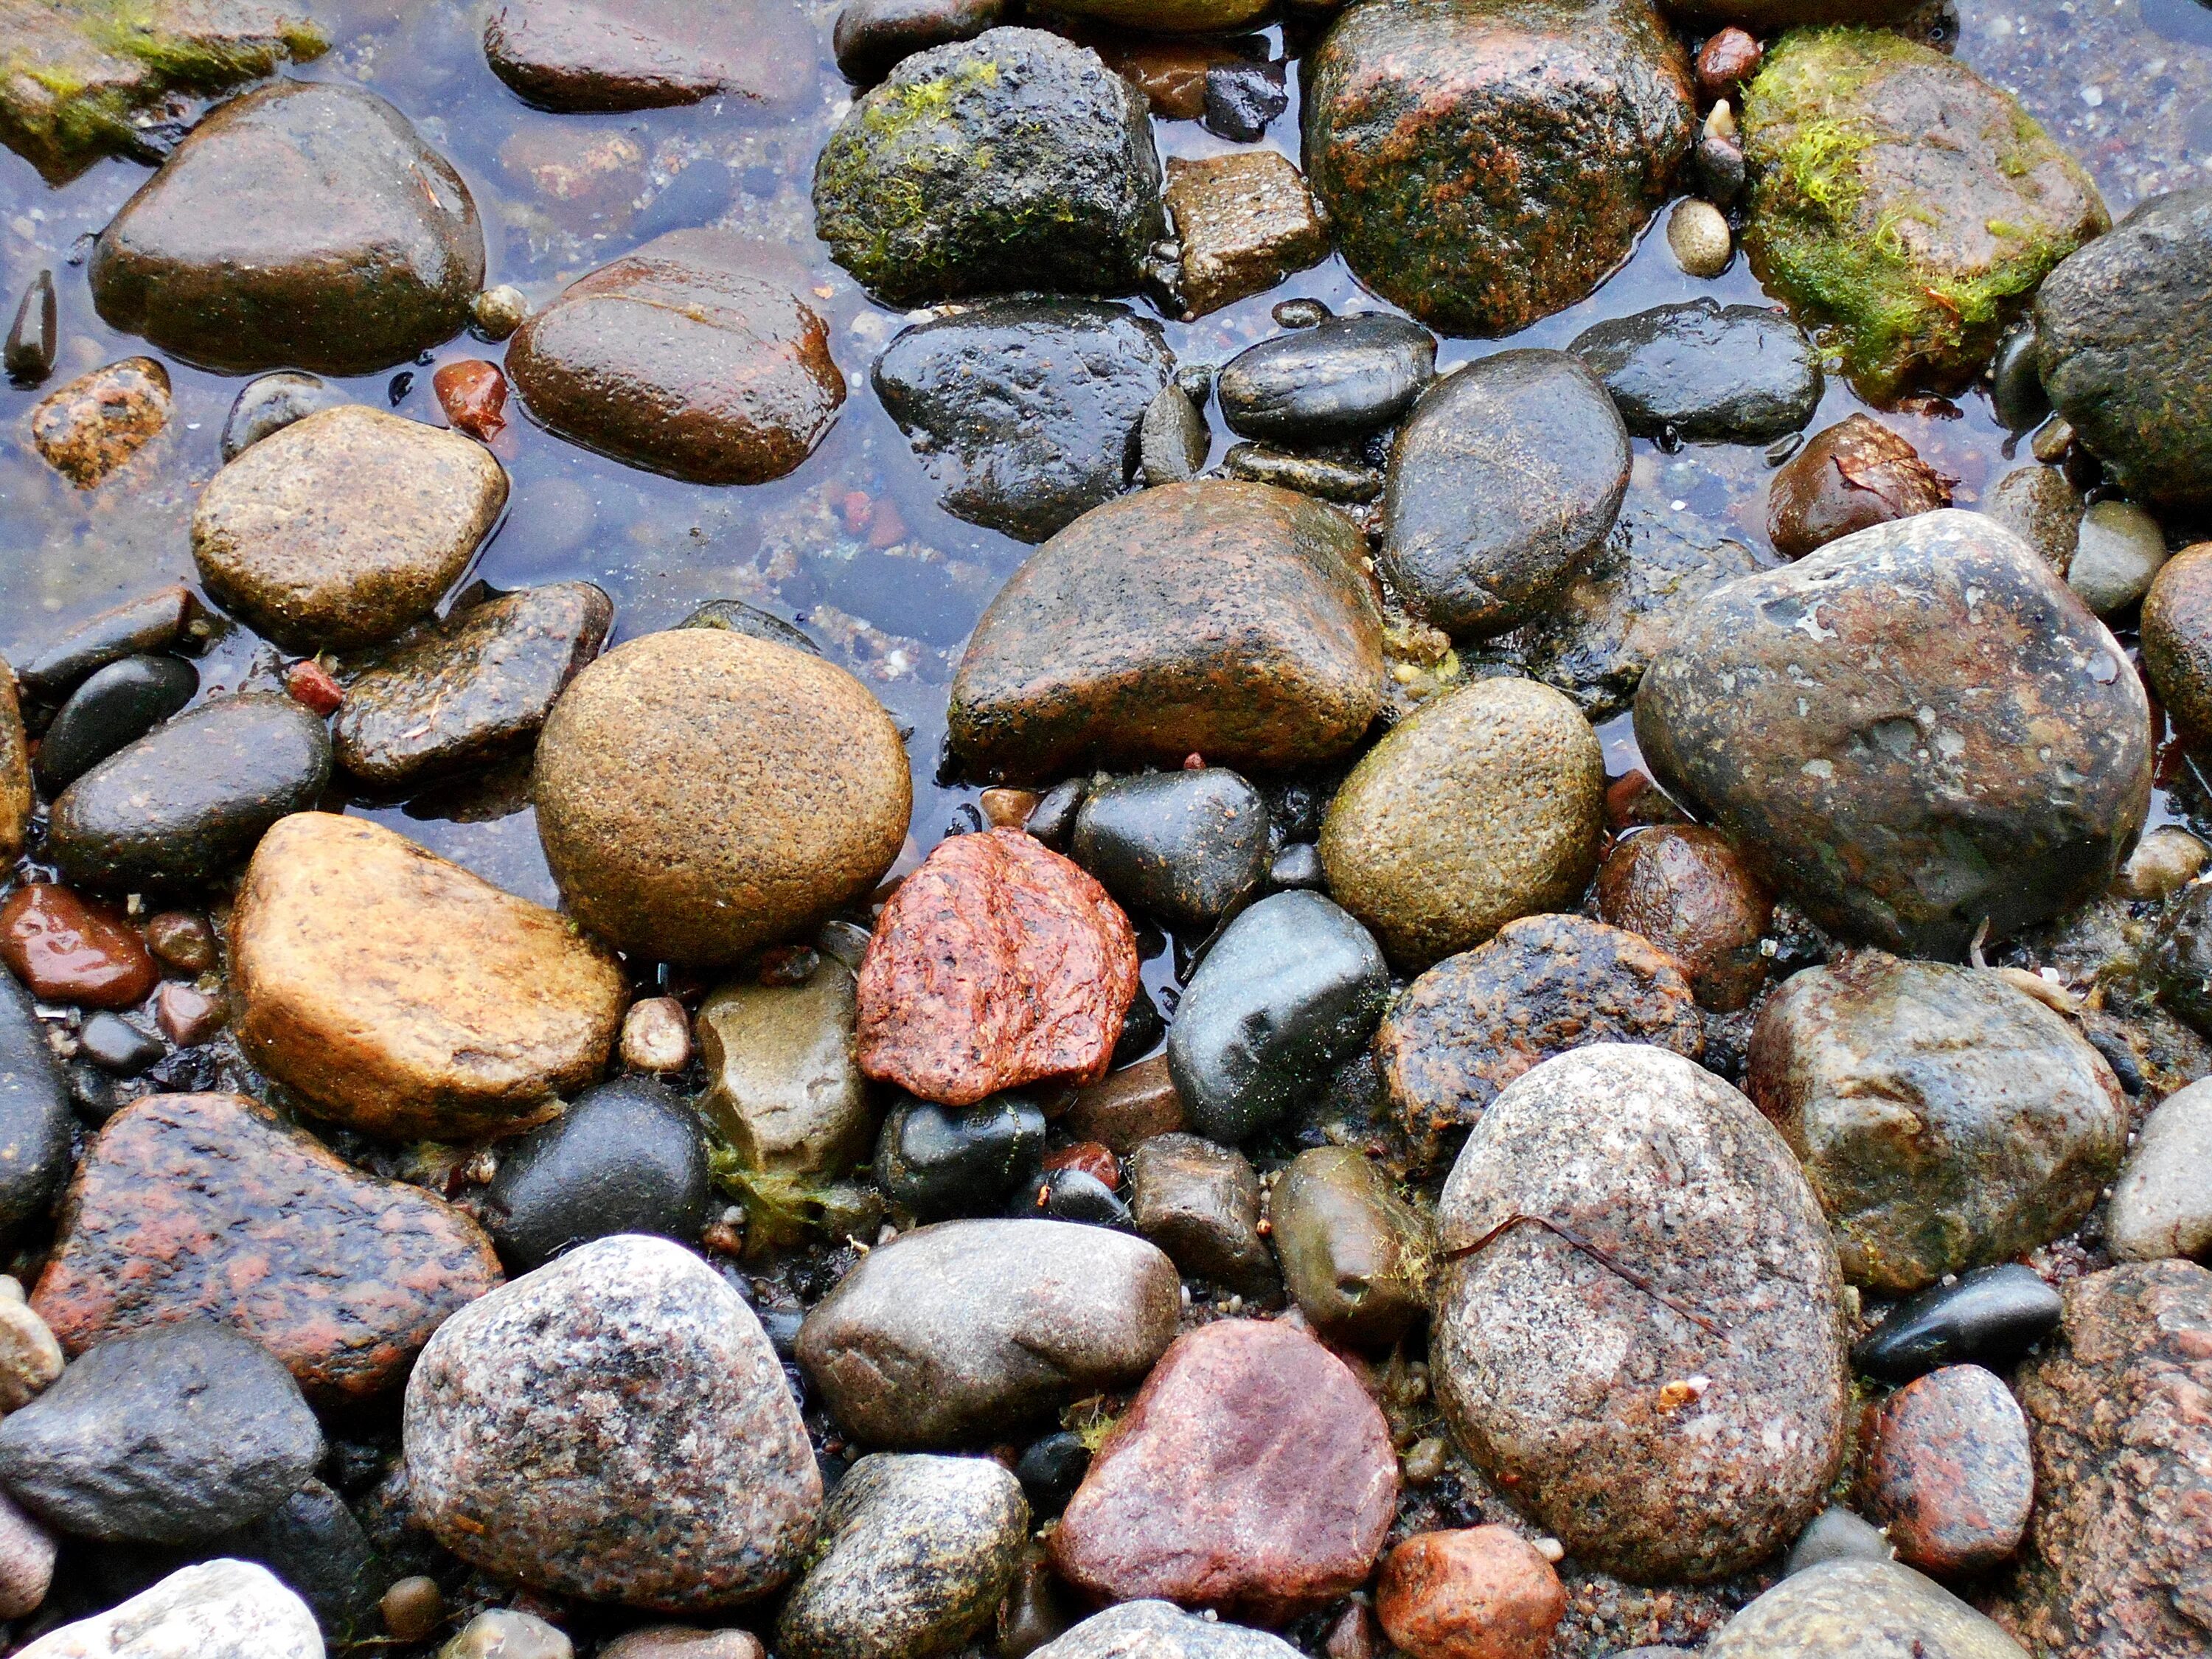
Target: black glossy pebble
1990, 1317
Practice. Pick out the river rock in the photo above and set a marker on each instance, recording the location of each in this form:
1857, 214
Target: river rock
1228, 620
784, 1088
1851, 476
1860, 1610
2162, 1205
870, 36
1848, 802
938, 1162
269, 403
1128, 1107
699, 793
66, 948
342, 528
1483, 167
99, 420
1685, 889
302, 226
1355, 1255
210, 1206
213, 1610
691, 1486
1343, 377
403, 995
27, 1554
1160, 1630
943, 181
167, 1435
2119, 326
1946, 1119
467, 689
1485, 805
996, 964
1683, 1430
1740, 375
1466, 1028
1903, 201
1025, 410
689, 356
1251, 1475
2041, 506
1945, 1471
627, 1156
191, 799
1200, 1203
2114, 1563
34, 1114
1185, 847
17, 797
113, 710
1990, 1317
2118, 551
574, 55
1504, 481
1245, 220
1476, 1593
153, 622
961, 1332
913, 1556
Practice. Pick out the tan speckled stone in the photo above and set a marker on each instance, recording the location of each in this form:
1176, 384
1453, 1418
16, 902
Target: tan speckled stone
1861, 1610
1245, 220
15, 794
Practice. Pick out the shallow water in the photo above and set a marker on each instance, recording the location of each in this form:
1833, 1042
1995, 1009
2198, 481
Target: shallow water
852, 544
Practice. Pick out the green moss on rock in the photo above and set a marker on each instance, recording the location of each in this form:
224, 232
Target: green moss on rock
1903, 202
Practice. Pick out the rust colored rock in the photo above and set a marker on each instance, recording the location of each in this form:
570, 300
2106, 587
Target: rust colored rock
210, 1206
1544, 985
313, 686
1851, 476
17, 796
68, 949
1725, 62
2177, 637
2114, 1566
182, 940
1685, 889
1480, 1593
1128, 1109
1948, 1472
1252, 1475
100, 420
473, 394
997, 963
187, 1015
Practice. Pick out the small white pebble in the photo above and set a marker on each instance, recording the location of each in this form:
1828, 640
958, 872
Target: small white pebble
1699, 237
1552, 1550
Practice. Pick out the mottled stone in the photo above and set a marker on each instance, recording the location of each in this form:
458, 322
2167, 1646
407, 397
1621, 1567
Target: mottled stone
1159, 1629
1200, 1203
1851, 476
783, 1085
2177, 637
1480, 1593
1356, 1256
1685, 889
1945, 1471
574, 55
2162, 1204
28, 1553
190, 1206
99, 420
691, 1486
1245, 220
2038, 505
1860, 1610
17, 797
213, 1610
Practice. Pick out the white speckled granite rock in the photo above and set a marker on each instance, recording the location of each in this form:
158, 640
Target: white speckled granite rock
215, 1610
1160, 1630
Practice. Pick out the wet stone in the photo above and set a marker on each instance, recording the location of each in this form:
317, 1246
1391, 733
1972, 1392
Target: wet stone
1355, 1255
2037, 504
691, 1488
1050, 1469
503, 1633
473, 395
1729, 57
1698, 236
2162, 1205
17, 797
937, 1162
302, 226
2177, 636
464, 690
186, 1015
735, 616
1242, 98
1743, 374
113, 710
1990, 1317
2166, 860
2118, 551
872, 36
1172, 439
1026, 412
312, 1541
28, 354
162, 1437
1200, 1203
156, 622
27, 1554
1851, 476
113, 1044
2181, 963
1467, 1028
627, 1156
1127, 1107
1186, 847
1945, 1471
572, 55
192, 798
215, 1610
1847, 1609
99, 420
1481, 1593
1245, 220
783, 1088
269, 403
67, 948
1342, 378
34, 1106
1685, 890
684, 1641
30, 1357
1319, 475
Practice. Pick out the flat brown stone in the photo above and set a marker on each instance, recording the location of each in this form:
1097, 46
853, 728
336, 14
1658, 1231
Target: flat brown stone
1245, 220
210, 1206
648, 54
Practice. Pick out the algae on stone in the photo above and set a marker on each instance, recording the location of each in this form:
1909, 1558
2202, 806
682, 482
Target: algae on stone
1903, 202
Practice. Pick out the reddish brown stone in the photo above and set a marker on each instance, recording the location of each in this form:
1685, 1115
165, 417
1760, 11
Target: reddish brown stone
1480, 1593
1853, 476
1725, 62
69, 949
473, 394
187, 1015
1685, 890
998, 962
1633, 801
1094, 1159
1171, 74
181, 940
1948, 1471
313, 686
210, 1206
1124, 1111
1253, 1475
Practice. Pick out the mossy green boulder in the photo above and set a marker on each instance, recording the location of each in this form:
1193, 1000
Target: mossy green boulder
1016, 160
1904, 203
74, 73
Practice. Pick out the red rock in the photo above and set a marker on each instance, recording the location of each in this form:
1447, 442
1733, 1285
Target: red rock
1253, 1475
1948, 1470
1481, 1593
997, 963
188, 1016
1685, 890
1725, 62
1094, 1159
1852, 475
211, 1205
313, 686
473, 394
181, 940
69, 949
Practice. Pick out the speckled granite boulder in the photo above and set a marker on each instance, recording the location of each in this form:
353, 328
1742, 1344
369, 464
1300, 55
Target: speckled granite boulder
213, 1610
1848, 1609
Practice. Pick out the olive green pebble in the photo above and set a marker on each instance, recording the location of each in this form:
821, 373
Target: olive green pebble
413, 1607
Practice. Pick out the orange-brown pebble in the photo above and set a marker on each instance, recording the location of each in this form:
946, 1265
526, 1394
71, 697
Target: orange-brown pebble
1091, 1158
70, 949
181, 940
1684, 889
187, 1015
1633, 800
656, 1036
1007, 809
473, 394
1725, 62
413, 1608
313, 686
1480, 1593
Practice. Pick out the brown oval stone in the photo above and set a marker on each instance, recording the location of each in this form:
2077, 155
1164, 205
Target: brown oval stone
1684, 889
69, 949
473, 394
100, 420
1948, 1472
997, 963
1252, 1475
2177, 637
211, 1205
1728, 58
1851, 476
1127, 1108
1478, 1593
681, 358
405, 996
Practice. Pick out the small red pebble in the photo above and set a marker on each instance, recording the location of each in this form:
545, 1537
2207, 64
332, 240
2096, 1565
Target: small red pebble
473, 394
1193, 762
1725, 62
312, 685
885, 527
1090, 1157
69, 949
186, 1015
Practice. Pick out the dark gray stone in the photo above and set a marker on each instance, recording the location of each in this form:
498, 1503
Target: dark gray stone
578, 55
1740, 375
2016, 393
1185, 848
113, 710
1050, 1469
1298, 866
1172, 439
1342, 378
114, 1044
1988, 1317
1242, 97
165, 1436
270, 402
940, 1161
627, 1156
34, 1113
1836, 1534
153, 622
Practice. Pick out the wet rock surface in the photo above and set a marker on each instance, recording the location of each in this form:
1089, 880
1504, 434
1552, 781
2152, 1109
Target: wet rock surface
1742, 375
1991, 1315
1842, 1609
113, 710
1356, 1256
2161, 1207
1200, 1203
1245, 220
1188, 847
575, 54
784, 1087
34, 1113
1480, 1593
1686, 890
627, 1156
1851, 476
1946, 1472
67, 948
99, 420
1343, 377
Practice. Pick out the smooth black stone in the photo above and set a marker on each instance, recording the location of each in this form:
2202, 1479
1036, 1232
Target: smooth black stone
97, 1095
1291, 987
1242, 100
1742, 375
1990, 1317
165, 1436
1300, 312
944, 1161
192, 798
1186, 847
34, 1112
781, 1325
735, 616
1077, 1196
1296, 805
29, 356
111, 710
153, 622
114, 1044
312, 1541
269, 403
627, 1156
1716, 164
1142, 1027
2016, 391
1298, 866
1050, 1470
872, 36
1054, 820
1341, 377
